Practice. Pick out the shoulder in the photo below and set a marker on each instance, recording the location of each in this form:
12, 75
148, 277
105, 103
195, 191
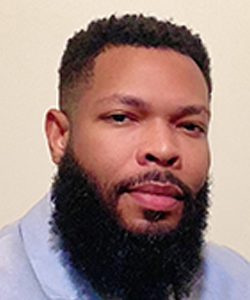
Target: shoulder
18, 280
227, 273
11, 249
227, 261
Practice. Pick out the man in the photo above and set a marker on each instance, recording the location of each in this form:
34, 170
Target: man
127, 212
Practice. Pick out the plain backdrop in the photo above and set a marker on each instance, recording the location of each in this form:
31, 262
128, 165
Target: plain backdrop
33, 35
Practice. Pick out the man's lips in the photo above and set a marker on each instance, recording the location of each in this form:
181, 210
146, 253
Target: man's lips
157, 197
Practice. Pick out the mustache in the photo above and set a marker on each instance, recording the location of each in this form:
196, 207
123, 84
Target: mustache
128, 184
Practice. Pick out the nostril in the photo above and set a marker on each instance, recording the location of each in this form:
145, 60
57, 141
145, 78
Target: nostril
166, 162
151, 158
172, 161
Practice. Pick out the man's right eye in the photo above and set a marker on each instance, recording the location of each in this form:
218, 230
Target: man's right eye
119, 118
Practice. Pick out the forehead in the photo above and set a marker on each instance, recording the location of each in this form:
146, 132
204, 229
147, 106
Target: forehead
153, 75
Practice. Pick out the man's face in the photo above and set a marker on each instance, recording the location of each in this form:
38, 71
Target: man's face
146, 112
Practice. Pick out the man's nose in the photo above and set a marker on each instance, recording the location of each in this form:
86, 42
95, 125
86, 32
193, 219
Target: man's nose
159, 146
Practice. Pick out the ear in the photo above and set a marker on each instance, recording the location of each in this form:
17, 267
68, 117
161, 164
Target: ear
57, 129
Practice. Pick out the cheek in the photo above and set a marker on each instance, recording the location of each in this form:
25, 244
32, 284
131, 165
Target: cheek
197, 166
105, 157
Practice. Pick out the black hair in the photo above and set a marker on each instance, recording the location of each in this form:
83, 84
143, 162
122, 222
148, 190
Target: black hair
134, 30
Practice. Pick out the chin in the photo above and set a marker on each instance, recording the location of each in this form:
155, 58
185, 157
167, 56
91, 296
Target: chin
151, 223
139, 219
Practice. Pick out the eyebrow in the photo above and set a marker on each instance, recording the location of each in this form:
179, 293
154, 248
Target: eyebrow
138, 103
128, 100
191, 110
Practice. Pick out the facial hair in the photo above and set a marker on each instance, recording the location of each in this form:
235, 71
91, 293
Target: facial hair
117, 263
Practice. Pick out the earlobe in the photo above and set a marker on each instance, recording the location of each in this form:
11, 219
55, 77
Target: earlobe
57, 129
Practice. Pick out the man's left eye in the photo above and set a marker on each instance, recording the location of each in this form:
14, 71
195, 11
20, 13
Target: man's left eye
194, 128
119, 118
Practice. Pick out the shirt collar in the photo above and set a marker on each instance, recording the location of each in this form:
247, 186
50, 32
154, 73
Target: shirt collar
45, 261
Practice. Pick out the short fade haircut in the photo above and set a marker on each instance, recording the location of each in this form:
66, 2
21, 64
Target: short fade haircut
134, 30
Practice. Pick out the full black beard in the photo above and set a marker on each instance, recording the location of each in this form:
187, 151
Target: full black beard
117, 263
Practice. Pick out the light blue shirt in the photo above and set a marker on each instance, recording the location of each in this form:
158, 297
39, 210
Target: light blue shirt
30, 269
